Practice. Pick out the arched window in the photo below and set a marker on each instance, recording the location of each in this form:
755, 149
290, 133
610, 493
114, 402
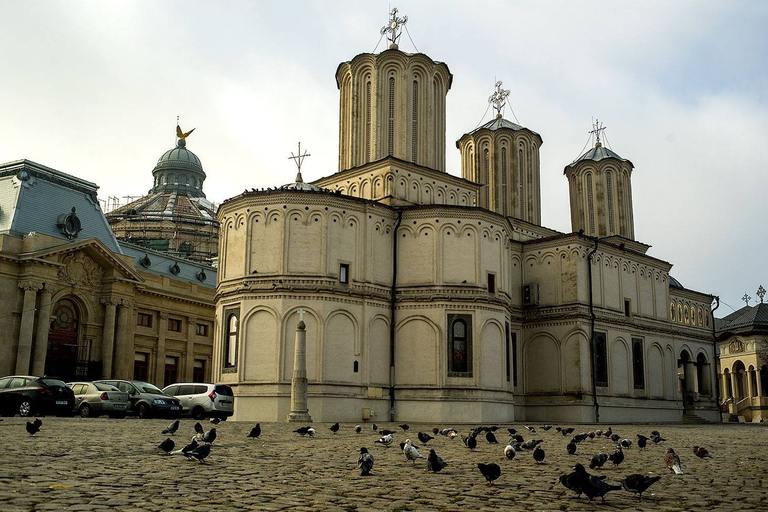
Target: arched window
487, 177
460, 345
591, 207
609, 196
415, 120
638, 368
601, 360
231, 340
368, 119
504, 181
391, 134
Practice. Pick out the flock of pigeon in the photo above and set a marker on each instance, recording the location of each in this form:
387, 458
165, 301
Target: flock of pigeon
579, 480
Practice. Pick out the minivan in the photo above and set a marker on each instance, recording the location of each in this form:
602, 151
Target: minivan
201, 400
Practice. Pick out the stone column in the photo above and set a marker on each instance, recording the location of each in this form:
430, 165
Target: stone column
734, 376
41, 336
759, 383
748, 374
189, 362
690, 377
24, 347
123, 353
162, 329
108, 338
724, 386
299, 410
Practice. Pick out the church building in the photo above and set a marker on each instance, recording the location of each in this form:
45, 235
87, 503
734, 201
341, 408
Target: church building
437, 298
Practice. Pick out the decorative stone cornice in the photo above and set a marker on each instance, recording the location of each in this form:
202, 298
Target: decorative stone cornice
30, 285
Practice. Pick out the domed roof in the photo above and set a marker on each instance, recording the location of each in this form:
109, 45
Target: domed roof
179, 157
597, 153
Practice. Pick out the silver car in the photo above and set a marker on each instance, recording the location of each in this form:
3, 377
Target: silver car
94, 398
199, 399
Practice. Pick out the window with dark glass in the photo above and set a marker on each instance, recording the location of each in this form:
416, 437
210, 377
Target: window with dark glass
514, 358
145, 320
201, 329
231, 339
198, 371
506, 350
460, 345
638, 367
491, 283
174, 325
601, 360
140, 366
344, 273
171, 370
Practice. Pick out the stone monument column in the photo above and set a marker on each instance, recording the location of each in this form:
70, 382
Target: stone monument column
24, 350
299, 410
108, 338
41, 336
123, 352
162, 329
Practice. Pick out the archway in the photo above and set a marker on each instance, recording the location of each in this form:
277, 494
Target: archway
61, 357
737, 377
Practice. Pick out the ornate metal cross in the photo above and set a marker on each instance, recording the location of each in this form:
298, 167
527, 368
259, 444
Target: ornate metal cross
299, 159
499, 98
761, 293
746, 298
597, 128
394, 28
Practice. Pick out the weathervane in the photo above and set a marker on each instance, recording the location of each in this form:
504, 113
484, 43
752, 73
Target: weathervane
746, 298
597, 128
299, 159
761, 293
498, 99
181, 135
394, 28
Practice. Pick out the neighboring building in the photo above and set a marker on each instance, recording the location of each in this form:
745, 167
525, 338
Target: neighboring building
743, 341
78, 304
175, 217
429, 297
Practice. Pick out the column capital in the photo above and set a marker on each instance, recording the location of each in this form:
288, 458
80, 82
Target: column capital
128, 304
109, 301
163, 315
30, 285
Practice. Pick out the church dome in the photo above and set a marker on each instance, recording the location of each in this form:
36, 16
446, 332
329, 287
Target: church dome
179, 170
179, 156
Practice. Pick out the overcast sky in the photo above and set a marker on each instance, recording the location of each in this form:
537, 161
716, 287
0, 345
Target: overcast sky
93, 88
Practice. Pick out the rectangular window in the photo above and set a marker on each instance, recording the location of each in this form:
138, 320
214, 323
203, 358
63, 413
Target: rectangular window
174, 325
506, 350
514, 359
601, 360
627, 308
491, 283
198, 371
140, 366
171, 370
344, 273
201, 329
638, 366
459, 345
144, 320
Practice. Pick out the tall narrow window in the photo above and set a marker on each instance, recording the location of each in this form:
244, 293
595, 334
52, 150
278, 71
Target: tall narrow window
520, 200
638, 368
198, 371
504, 181
460, 346
591, 207
368, 121
506, 350
231, 339
609, 197
514, 359
601, 360
344, 273
491, 283
414, 120
391, 134
487, 177
171, 370
140, 366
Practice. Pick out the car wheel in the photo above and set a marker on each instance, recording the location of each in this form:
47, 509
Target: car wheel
198, 413
143, 411
25, 408
86, 411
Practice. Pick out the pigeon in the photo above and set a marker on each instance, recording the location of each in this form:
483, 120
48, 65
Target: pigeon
538, 454
642, 441
546, 427
311, 432
172, 428
598, 460
512, 431
424, 437
532, 430
493, 428
579, 438
365, 462
200, 452
490, 472
185, 451
386, 432
591, 485
255, 431
215, 421
617, 457
571, 448
386, 440
452, 434
434, 463
591, 434
33, 428
167, 446
509, 452
655, 433
210, 436
374, 427
615, 438
334, 428
491, 438
199, 428
302, 431
656, 438
638, 484
567, 431
358, 429
570, 482
405, 427
673, 462
448, 432
530, 445
701, 452
626, 443
435, 430
470, 442
609, 432
410, 452
518, 438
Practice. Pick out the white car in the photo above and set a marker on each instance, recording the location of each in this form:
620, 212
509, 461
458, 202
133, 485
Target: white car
94, 398
201, 400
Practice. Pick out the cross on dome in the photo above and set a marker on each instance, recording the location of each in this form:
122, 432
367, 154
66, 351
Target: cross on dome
498, 99
597, 129
394, 28
746, 298
299, 159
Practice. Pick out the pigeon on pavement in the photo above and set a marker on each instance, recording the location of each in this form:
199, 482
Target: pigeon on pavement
255, 431
424, 437
490, 472
386, 440
638, 484
538, 454
435, 464
172, 428
33, 427
167, 445
405, 427
617, 457
673, 462
509, 452
200, 452
358, 429
642, 441
591, 485
701, 452
210, 436
571, 448
491, 438
334, 428
410, 452
598, 460
365, 462
199, 428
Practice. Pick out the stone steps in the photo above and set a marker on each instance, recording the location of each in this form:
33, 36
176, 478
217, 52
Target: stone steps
692, 419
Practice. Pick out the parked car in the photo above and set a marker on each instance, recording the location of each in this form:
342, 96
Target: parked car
147, 400
94, 398
26, 395
201, 400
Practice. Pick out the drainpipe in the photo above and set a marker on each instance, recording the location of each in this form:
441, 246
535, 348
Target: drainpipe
717, 358
392, 305
592, 334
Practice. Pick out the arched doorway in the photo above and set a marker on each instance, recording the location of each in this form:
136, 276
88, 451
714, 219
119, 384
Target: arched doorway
61, 358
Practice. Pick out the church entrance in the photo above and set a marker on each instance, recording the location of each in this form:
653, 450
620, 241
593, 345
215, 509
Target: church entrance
61, 358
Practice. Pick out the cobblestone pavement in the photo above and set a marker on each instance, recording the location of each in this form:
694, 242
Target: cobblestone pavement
84, 464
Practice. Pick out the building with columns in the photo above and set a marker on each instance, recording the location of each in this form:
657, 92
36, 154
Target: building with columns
78, 304
743, 374
433, 297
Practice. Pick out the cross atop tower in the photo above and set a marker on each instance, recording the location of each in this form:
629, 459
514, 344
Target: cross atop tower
746, 298
394, 28
761, 293
597, 129
299, 159
498, 99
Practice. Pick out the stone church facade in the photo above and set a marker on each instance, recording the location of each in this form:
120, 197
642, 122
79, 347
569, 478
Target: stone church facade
432, 297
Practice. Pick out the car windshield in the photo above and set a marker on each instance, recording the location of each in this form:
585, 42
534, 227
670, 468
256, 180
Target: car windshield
149, 388
105, 387
53, 382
